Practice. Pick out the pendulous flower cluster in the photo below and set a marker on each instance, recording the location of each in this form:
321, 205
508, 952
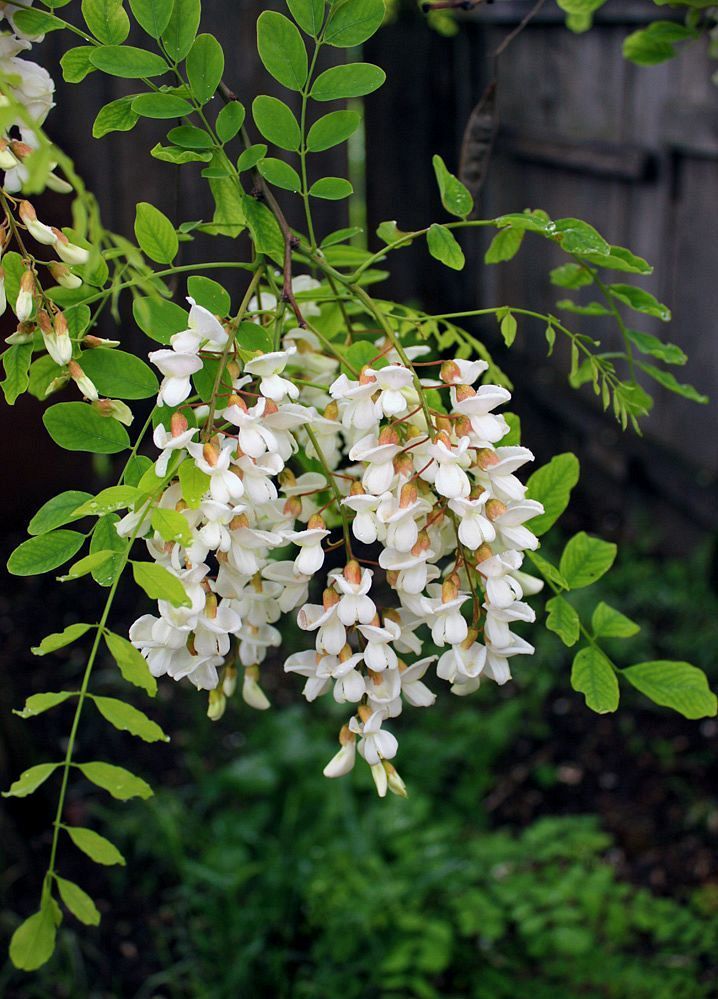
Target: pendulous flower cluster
425, 571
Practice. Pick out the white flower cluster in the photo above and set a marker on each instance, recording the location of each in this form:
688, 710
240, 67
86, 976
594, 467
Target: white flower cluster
432, 514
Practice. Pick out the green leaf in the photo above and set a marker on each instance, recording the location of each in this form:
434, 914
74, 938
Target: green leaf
353, 80
76, 65
171, 526
332, 129
253, 339
563, 620
127, 718
155, 234
190, 137
194, 484
508, 327
37, 704
182, 28
352, 22
127, 62
161, 106
454, 196
205, 65
159, 319
230, 120
75, 426
90, 563
117, 781
309, 14
676, 685
640, 301
593, 675
171, 154
96, 847
444, 247
16, 362
117, 116
276, 123
152, 15
280, 174
251, 156
552, 485
119, 374
35, 22
30, 780
656, 43
78, 902
610, 623
667, 380
620, 259
136, 468
209, 294
107, 20
647, 343
33, 942
131, 663
331, 188
282, 50
105, 537
266, 234
585, 559
548, 570
577, 236
58, 640
44, 552
571, 276
229, 217
159, 584
504, 246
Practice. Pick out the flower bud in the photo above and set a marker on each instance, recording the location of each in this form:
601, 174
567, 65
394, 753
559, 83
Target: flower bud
332, 411
229, 681
7, 160
388, 435
450, 372
37, 229
210, 454
396, 784
343, 762
408, 495
115, 409
58, 184
237, 400
93, 342
293, 507
178, 424
486, 458
56, 337
449, 590
85, 384
483, 552
287, 478
495, 508
316, 523
364, 712
367, 376
380, 779
64, 276
403, 465
464, 392
252, 693
68, 251
24, 303
352, 572
357, 489
217, 704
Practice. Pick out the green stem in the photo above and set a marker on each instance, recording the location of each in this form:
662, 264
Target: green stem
333, 486
168, 272
611, 303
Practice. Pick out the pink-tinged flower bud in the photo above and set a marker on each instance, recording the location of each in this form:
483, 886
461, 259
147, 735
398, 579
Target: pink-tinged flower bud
64, 276
352, 572
486, 458
37, 229
483, 552
443, 424
388, 436
93, 342
178, 424
238, 401
287, 478
495, 508
364, 712
293, 507
217, 704
462, 426
25, 298
68, 251
116, 409
20, 149
239, 521
85, 384
396, 784
332, 411
357, 489
252, 693
403, 465
464, 392
408, 495
366, 376
56, 338
210, 454
316, 523
449, 590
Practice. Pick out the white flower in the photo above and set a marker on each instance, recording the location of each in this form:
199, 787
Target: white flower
331, 633
354, 585
379, 458
311, 555
366, 526
509, 524
496, 625
475, 527
375, 743
269, 367
447, 624
449, 478
498, 467
252, 693
378, 654
295, 587
501, 586
392, 381
254, 436
205, 332
224, 485
356, 401
167, 442
462, 662
461, 372
477, 406
177, 370
413, 690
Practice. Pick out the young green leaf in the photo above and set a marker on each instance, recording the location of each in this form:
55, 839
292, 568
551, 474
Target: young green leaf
669, 381
158, 318
331, 188
105, 537
190, 137
230, 120
159, 583
563, 619
548, 570
209, 294
194, 484
504, 246
585, 559
640, 301
332, 129
309, 14
58, 511
58, 640
33, 942
352, 80
117, 781
76, 65
282, 50
127, 62
44, 552
647, 343
276, 123
131, 663
251, 156
117, 116
76, 426
171, 154
119, 374
127, 718
161, 106
107, 501
182, 27
30, 780
152, 15
444, 247
280, 174
508, 327
16, 362
610, 623
454, 196
155, 233
172, 526
552, 485
37, 704
78, 902
593, 675
676, 685
107, 20
96, 847
90, 563
352, 22
205, 66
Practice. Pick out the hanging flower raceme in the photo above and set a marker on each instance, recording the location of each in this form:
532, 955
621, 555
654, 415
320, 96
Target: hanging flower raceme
422, 503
